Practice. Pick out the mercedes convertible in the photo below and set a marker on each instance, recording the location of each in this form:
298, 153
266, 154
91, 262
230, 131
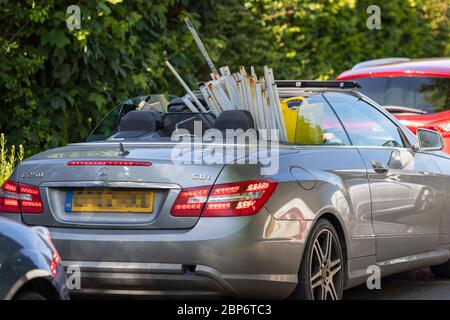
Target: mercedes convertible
355, 192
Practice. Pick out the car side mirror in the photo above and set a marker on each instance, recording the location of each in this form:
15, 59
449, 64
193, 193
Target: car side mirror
429, 140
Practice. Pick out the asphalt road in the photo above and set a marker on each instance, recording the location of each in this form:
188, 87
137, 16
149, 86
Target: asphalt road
418, 284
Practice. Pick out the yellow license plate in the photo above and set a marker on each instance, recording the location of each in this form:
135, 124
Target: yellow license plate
109, 201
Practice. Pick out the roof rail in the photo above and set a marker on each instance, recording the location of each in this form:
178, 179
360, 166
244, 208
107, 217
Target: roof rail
317, 84
379, 62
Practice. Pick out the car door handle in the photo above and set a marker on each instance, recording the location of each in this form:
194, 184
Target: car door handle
379, 167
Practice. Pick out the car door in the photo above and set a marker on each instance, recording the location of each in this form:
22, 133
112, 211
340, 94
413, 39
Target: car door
442, 160
406, 190
326, 153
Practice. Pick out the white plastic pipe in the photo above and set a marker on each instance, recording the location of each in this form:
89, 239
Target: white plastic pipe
226, 102
271, 100
200, 45
278, 105
185, 86
253, 104
231, 87
260, 105
189, 104
274, 102
209, 101
213, 98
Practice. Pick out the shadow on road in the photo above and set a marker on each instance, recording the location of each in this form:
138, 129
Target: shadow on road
418, 284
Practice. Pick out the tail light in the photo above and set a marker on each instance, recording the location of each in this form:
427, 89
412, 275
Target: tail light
20, 198
55, 258
224, 200
190, 202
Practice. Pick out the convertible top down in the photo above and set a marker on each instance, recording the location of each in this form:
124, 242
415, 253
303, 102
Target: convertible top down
158, 204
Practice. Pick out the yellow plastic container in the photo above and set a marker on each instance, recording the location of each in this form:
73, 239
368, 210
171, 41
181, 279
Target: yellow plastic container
309, 125
290, 117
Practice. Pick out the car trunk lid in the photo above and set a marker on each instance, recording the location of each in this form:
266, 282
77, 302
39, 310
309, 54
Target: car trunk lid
163, 179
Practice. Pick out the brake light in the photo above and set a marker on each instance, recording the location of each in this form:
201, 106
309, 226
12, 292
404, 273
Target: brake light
110, 163
17, 197
231, 199
190, 202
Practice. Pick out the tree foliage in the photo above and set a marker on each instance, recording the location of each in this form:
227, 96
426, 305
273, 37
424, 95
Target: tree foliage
55, 84
9, 157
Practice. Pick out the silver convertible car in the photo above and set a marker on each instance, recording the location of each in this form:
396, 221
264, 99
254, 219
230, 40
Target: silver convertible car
355, 192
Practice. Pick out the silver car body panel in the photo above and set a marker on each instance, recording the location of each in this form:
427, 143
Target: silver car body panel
396, 220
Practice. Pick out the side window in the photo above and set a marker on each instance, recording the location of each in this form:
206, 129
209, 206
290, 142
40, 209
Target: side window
317, 124
365, 125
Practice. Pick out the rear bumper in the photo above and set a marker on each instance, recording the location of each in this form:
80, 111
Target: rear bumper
242, 256
150, 279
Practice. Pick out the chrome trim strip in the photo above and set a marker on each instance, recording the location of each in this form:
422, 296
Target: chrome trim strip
165, 268
182, 293
415, 257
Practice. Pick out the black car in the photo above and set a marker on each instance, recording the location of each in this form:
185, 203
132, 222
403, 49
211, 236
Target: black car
30, 266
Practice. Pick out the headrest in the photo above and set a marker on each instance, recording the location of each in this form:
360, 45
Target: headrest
137, 123
234, 119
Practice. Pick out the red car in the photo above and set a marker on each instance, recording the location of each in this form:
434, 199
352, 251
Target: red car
417, 91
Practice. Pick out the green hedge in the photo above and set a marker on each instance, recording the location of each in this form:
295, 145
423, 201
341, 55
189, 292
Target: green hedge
55, 84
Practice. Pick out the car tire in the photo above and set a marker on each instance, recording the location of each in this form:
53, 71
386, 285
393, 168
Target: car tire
321, 274
29, 295
442, 270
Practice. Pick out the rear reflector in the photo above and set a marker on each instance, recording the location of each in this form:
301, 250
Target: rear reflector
56, 259
224, 200
111, 163
17, 197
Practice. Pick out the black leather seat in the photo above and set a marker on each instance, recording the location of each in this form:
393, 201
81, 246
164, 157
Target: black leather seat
234, 119
137, 123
